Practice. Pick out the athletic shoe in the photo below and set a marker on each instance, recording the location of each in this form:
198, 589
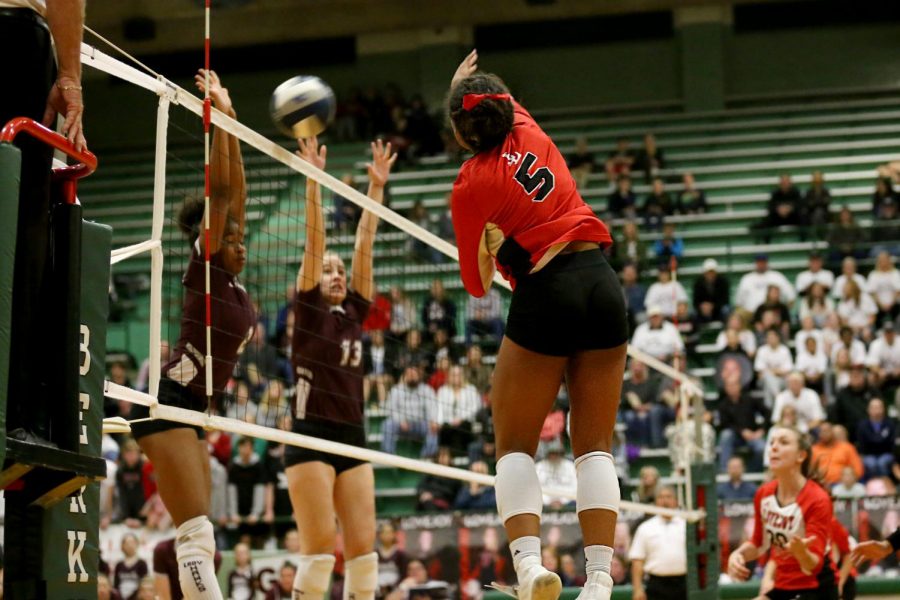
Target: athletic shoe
537, 583
597, 587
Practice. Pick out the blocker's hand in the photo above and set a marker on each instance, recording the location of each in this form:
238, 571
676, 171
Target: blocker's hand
382, 161
217, 92
468, 66
311, 152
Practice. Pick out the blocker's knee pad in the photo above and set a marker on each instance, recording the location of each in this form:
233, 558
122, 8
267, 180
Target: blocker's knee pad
517, 487
598, 484
195, 550
313, 576
361, 577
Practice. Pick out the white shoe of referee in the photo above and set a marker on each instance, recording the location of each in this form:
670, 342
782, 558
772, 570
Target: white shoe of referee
536, 582
598, 586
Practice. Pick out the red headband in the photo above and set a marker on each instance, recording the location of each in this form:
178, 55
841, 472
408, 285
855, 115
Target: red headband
470, 101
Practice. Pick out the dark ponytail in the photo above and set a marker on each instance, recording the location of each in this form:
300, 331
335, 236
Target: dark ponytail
190, 217
486, 125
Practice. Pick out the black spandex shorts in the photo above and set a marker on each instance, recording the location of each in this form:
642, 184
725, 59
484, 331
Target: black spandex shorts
353, 435
574, 303
171, 393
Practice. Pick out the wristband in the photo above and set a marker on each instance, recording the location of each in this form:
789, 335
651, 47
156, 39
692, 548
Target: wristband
66, 88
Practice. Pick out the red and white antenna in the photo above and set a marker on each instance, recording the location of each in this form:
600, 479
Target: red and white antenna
207, 110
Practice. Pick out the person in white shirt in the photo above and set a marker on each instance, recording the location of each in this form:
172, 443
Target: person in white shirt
557, 471
814, 274
657, 337
855, 348
848, 272
857, 310
754, 286
807, 330
883, 361
813, 363
816, 304
457, 403
658, 554
411, 407
849, 486
772, 364
746, 337
884, 284
665, 293
808, 404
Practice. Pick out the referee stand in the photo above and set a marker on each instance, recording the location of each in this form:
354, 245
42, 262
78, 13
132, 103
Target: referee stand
51, 530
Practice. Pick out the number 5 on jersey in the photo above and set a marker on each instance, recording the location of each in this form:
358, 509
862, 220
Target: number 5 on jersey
542, 180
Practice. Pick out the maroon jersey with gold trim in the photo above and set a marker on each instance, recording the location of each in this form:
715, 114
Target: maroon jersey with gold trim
327, 357
233, 322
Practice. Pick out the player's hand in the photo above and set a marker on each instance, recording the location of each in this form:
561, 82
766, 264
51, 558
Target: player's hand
65, 99
737, 567
798, 546
872, 550
468, 66
218, 93
311, 152
382, 161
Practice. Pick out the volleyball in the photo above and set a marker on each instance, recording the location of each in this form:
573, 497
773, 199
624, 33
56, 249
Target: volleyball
302, 106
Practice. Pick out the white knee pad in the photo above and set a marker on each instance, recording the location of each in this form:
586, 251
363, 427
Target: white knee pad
517, 487
195, 550
361, 577
598, 484
313, 576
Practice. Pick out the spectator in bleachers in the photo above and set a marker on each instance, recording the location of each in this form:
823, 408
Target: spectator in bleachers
273, 405
809, 407
657, 205
130, 484
845, 239
442, 347
645, 416
635, 295
733, 363
736, 488
439, 311
379, 318
282, 589
482, 447
105, 590
246, 488
581, 162
412, 354
832, 455
772, 364
883, 232
851, 402
857, 310
816, 201
669, 244
376, 366
816, 305
557, 471
484, 317
848, 273
743, 422
772, 313
688, 325
457, 403
657, 337
476, 496
619, 161
242, 579
884, 192
622, 202
570, 576
434, 492
147, 589
130, 570
629, 249
649, 159
404, 315
682, 435
411, 409
876, 439
855, 348
240, 404
648, 485
712, 293
883, 361
392, 559
784, 207
815, 273
808, 329
665, 293
746, 338
812, 362
691, 201
884, 285
754, 286
848, 487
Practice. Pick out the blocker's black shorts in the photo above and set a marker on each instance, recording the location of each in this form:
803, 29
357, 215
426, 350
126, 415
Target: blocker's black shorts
345, 433
171, 393
573, 303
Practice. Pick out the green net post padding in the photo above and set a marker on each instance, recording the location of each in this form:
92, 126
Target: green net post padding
703, 536
10, 168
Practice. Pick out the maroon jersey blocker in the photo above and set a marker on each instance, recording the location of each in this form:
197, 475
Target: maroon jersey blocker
233, 323
521, 189
327, 357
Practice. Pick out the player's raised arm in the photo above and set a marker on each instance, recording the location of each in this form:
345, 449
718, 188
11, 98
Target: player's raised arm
362, 280
311, 266
468, 66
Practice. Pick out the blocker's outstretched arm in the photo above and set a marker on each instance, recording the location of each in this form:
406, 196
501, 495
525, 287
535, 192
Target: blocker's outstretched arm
362, 280
311, 266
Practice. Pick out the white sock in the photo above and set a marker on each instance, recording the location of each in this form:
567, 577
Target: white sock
597, 558
195, 549
525, 547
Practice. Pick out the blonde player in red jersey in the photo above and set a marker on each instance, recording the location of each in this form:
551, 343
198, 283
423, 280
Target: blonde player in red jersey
793, 520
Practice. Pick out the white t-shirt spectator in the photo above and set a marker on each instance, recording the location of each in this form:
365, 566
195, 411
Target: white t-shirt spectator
485, 308
559, 474
457, 404
807, 278
883, 355
857, 352
857, 314
661, 544
769, 359
884, 286
838, 290
800, 340
659, 343
754, 286
746, 338
808, 405
804, 310
666, 296
811, 364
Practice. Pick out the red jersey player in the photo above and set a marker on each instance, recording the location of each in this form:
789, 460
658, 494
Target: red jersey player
793, 517
327, 358
515, 207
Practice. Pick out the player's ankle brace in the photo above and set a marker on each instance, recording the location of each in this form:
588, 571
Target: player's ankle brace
598, 484
361, 577
517, 486
195, 550
313, 576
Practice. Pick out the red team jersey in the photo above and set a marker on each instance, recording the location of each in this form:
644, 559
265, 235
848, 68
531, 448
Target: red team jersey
520, 189
810, 515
